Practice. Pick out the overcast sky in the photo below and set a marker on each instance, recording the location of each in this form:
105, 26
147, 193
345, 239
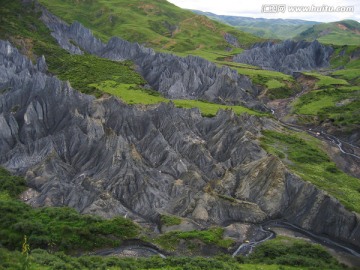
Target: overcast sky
253, 8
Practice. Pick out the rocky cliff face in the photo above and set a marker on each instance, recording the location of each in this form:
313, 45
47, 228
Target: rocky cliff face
175, 77
108, 158
287, 56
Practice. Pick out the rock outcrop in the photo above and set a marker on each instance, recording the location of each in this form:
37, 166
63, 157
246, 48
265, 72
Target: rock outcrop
175, 77
108, 158
288, 56
231, 39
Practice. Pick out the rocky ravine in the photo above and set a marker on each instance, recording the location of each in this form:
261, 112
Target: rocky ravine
107, 158
288, 56
175, 77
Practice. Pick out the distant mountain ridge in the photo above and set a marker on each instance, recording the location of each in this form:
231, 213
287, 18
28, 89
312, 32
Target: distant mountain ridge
346, 32
155, 23
266, 28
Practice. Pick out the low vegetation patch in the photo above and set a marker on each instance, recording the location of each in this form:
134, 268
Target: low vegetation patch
341, 57
54, 228
298, 253
325, 81
306, 159
210, 109
170, 220
11, 186
133, 94
340, 105
349, 74
84, 70
213, 236
42, 260
278, 85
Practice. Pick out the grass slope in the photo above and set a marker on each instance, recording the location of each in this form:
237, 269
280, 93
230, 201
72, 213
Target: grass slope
345, 32
335, 98
133, 94
288, 251
156, 23
167, 28
54, 228
214, 235
304, 157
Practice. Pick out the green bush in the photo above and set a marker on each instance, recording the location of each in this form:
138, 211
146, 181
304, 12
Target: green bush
211, 236
12, 185
55, 228
299, 150
170, 220
291, 252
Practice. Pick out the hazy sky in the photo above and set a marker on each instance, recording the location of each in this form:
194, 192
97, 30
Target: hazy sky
253, 8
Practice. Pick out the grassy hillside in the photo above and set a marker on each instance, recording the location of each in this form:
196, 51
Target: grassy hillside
155, 23
302, 154
334, 98
345, 32
56, 229
86, 73
265, 28
191, 34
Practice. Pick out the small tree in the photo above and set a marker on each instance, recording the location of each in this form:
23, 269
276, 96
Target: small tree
25, 252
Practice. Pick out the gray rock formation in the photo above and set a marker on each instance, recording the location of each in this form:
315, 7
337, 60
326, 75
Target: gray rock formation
287, 56
108, 158
231, 39
175, 77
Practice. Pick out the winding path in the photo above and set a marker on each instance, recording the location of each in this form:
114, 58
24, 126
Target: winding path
317, 238
246, 248
134, 247
331, 138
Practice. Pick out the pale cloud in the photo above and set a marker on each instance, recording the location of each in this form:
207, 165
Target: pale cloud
253, 8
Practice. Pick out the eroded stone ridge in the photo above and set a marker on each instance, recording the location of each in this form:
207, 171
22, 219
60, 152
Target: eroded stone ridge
175, 77
104, 157
288, 56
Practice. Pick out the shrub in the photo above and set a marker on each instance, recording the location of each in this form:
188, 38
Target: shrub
170, 220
